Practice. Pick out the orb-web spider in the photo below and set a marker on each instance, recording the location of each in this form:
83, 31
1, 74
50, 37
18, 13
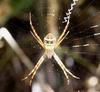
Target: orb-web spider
50, 43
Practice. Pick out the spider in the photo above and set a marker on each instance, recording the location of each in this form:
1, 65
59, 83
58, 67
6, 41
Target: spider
50, 43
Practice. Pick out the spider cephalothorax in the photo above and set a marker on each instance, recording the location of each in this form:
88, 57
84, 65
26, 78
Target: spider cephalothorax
49, 44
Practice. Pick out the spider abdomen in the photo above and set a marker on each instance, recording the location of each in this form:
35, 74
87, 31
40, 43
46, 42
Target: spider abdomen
49, 41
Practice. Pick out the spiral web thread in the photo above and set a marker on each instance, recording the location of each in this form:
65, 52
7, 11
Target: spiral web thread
70, 11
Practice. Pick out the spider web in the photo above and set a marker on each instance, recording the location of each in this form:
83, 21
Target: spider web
81, 41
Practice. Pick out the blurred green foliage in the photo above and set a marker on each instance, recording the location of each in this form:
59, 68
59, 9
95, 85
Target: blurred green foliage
20, 5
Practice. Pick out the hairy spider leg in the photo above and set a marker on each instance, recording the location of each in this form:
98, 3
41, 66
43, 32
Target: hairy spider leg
62, 65
34, 70
35, 35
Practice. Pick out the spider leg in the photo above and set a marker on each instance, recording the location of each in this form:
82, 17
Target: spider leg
58, 43
61, 38
62, 65
33, 72
37, 39
35, 35
57, 60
